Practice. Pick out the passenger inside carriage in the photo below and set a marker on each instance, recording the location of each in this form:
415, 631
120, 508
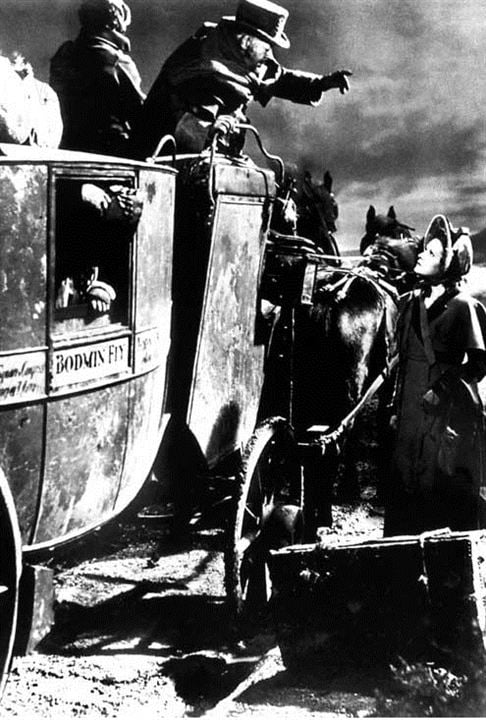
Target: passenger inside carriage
205, 86
94, 226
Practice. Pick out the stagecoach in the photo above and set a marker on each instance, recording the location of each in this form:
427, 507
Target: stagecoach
170, 368
167, 376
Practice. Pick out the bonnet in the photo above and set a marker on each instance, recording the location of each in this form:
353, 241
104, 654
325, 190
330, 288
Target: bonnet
457, 245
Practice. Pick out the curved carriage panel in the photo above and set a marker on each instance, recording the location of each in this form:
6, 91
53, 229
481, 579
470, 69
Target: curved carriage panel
228, 370
153, 304
81, 386
23, 261
154, 253
21, 450
216, 370
84, 452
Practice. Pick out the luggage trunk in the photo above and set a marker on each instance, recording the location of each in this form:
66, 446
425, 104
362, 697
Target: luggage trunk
365, 603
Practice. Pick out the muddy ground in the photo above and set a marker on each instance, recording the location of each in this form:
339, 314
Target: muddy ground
148, 636
142, 631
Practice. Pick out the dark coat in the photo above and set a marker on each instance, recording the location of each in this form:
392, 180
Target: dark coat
437, 478
99, 91
206, 77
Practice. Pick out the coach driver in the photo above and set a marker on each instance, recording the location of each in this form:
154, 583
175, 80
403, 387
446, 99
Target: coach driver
207, 83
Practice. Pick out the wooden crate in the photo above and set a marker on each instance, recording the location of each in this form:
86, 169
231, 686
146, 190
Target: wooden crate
365, 603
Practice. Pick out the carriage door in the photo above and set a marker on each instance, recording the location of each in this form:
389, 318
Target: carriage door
90, 307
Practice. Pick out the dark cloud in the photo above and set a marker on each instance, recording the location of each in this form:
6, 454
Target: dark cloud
416, 107
404, 149
415, 150
473, 215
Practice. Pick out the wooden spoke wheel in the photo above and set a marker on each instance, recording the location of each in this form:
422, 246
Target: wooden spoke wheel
10, 571
267, 514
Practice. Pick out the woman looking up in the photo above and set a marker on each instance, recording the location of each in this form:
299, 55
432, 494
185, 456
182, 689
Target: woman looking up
437, 470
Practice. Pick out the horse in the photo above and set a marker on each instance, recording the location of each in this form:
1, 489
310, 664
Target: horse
383, 226
317, 212
300, 206
347, 335
307, 210
389, 248
303, 223
341, 338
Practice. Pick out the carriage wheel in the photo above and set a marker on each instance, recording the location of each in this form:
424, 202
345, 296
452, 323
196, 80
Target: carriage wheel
267, 514
10, 570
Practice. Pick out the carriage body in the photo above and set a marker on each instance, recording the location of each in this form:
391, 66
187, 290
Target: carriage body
81, 393
217, 357
85, 399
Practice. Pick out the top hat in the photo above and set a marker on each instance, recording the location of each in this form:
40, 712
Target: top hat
263, 19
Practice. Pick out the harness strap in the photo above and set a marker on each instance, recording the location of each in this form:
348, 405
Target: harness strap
294, 239
308, 284
382, 288
344, 289
335, 435
377, 280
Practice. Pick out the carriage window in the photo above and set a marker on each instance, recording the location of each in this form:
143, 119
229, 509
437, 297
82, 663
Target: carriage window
95, 222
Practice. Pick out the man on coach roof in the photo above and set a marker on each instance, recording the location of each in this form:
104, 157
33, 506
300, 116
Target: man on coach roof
209, 80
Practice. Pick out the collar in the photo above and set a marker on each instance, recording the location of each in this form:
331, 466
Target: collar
426, 288
116, 39
433, 293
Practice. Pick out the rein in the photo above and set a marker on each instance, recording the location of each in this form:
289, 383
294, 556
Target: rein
349, 273
334, 436
382, 287
309, 249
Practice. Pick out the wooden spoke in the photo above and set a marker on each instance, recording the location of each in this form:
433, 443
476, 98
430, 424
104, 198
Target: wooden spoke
269, 482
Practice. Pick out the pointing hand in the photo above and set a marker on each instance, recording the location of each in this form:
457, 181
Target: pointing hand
338, 79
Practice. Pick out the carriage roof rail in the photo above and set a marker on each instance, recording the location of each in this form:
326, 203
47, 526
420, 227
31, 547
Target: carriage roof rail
164, 140
274, 158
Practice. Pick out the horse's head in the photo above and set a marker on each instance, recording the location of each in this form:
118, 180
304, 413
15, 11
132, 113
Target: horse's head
396, 254
383, 226
317, 212
319, 199
302, 222
389, 247
303, 207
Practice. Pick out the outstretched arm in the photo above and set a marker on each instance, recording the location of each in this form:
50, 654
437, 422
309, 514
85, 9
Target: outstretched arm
303, 87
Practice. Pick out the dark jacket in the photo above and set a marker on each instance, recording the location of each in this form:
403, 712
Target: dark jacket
206, 77
99, 90
437, 477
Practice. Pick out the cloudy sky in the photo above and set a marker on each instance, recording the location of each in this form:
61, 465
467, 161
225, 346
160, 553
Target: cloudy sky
410, 133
